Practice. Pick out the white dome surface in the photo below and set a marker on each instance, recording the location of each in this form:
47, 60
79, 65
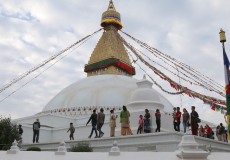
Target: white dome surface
146, 97
101, 90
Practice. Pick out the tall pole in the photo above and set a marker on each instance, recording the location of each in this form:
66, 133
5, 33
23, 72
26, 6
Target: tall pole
227, 87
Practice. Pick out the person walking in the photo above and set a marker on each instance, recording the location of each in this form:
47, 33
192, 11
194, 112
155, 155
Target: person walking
100, 121
20, 130
141, 124
125, 123
158, 120
194, 124
226, 136
218, 133
185, 117
71, 130
222, 133
93, 119
178, 117
112, 123
174, 119
36, 129
147, 125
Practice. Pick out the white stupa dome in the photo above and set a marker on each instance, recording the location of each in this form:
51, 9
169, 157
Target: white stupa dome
104, 91
145, 97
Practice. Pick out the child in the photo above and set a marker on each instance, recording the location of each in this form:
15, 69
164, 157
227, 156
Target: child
141, 124
20, 141
72, 130
20, 130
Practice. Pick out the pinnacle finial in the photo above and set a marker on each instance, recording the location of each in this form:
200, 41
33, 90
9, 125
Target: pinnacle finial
114, 151
111, 17
222, 36
61, 149
14, 148
111, 6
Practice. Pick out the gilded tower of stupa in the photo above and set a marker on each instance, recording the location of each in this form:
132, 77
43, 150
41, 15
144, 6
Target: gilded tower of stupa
109, 55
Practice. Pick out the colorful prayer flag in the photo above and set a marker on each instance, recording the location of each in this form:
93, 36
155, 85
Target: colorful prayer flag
213, 108
226, 67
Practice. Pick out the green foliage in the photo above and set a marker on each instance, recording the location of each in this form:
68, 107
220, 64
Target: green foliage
81, 147
5, 148
8, 132
33, 149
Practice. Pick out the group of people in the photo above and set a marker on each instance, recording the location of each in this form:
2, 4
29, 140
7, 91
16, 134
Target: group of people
36, 129
221, 133
191, 119
207, 132
144, 124
97, 121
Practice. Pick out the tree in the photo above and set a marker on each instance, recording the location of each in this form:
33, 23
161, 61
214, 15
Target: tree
33, 149
81, 147
8, 132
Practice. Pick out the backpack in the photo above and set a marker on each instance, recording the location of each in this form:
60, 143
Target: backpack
221, 130
72, 129
36, 126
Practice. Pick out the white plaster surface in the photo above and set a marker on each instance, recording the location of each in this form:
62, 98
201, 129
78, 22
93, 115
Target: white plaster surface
106, 90
23, 155
187, 141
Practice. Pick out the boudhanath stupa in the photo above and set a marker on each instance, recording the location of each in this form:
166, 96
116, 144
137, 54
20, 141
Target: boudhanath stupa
110, 85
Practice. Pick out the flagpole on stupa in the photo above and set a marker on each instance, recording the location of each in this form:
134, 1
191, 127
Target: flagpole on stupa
227, 81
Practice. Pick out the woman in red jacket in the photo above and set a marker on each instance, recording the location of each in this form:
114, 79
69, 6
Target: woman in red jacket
209, 132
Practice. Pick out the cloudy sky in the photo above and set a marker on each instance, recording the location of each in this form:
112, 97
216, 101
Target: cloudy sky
31, 31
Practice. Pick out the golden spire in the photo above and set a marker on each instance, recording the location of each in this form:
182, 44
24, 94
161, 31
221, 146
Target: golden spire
109, 55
